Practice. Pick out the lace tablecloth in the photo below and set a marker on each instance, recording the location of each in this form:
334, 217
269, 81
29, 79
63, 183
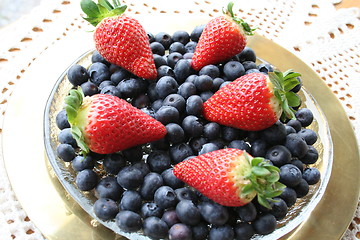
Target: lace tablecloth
326, 39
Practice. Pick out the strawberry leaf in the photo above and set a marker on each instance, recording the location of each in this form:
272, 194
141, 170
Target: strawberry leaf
256, 161
244, 25
90, 8
106, 4
247, 189
263, 201
260, 171
293, 99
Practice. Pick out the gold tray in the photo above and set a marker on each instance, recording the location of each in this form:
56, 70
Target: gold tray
58, 216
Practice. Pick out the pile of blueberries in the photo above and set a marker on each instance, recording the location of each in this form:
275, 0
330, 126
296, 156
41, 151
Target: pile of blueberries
137, 189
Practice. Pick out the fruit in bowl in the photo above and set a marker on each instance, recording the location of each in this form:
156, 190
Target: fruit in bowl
206, 148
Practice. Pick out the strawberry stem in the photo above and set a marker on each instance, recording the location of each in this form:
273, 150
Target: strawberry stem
245, 26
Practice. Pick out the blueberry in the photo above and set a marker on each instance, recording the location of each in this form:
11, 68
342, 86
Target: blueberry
132, 87
182, 70
165, 70
191, 78
151, 209
152, 182
224, 232
141, 101
66, 152
175, 100
159, 60
130, 177
86, 180
131, 200
224, 84
296, 124
77, 75
290, 175
151, 92
105, 84
188, 55
229, 133
155, 228
173, 59
210, 70
161, 144
289, 196
80, 163
243, 231
212, 131
302, 189
279, 208
99, 72
111, 90
194, 105
105, 208
177, 47
206, 95
180, 231
296, 144
186, 194
187, 89
151, 37
297, 87
252, 71
279, 155
179, 152
164, 38
133, 154
167, 114
258, 148
170, 217
171, 180
113, 163
197, 143
119, 75
233, 70
311, 156
181, 36
89, 88
265, 68
304, 116
190, 47
97, 57
158, 161
108, 188
192, 126
175, 133
240, 144
157, 104
289, 129
200, 231
311, 175
265, 224
247, 213
308, 135
165, 197
247, 54
188, 213
203, 83
275, 134
214, 213
299, 164
65, 136
249, 65
143, 167
128, 221
62, 120
208, 147
196, 32
157, 48
165, 86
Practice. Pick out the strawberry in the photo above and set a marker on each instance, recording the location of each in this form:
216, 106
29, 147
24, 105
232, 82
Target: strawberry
222, 38
254, 101
107, 124
231, 177
120, 39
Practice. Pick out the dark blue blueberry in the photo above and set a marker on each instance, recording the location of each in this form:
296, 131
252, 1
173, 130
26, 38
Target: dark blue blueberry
62, 120
247, 213
217, 83
165, 197
175, 134
187, 89
152, 182
191, 78
165, 70
113, 163
77, 75
80, 163
133, 154
219, 142
224, 232
170, 217
171, 180
188, 213
299, 164
108, 188
105, 208
275, 134
164, 38
157, 48
206, 95
98, 73
200, 231
186, 194
105, 84
265, 68
240, 144
179, 152
130, 177
65, 136
243, 231
279, 208
128, 221
111, 90
97, 57
141, 101
86, 180
308, 135
119, 75
289, 196
249, 65
302, 189
290, 175
311, 175
143, 167
247, 54
289, 129
180, 231
188, 55
233, 70
159, 60
311, 156
252, 71
132, 87
304, 116
296, 144
157, 104
190, 47
224, 84
89, 88
214, 213
208, 147
265, 224
194, 105
155, 228
173, 58
151, 92
158, 161
258, 148
181, 36
212, 131
175, 100
230, 134
210, 70
167, 114
177, 47
192, 126
131, 200
151, 209
279, 155
197, 143
165, 86
66, 152
161, 144
297, 87
182, 70
203, 83
151, 37
196, 32
296, 124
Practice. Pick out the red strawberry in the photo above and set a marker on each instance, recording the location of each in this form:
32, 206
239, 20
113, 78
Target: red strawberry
231, 177
107, 124
120, 39
254, 101
222, 38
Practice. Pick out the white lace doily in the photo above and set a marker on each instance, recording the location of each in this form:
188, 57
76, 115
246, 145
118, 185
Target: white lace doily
326, 39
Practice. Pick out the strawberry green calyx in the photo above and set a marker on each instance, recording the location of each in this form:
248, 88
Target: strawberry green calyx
264, 180
103, 9
283, 82
245, 26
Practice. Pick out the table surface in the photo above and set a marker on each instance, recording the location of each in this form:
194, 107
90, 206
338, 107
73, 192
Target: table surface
332, 31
